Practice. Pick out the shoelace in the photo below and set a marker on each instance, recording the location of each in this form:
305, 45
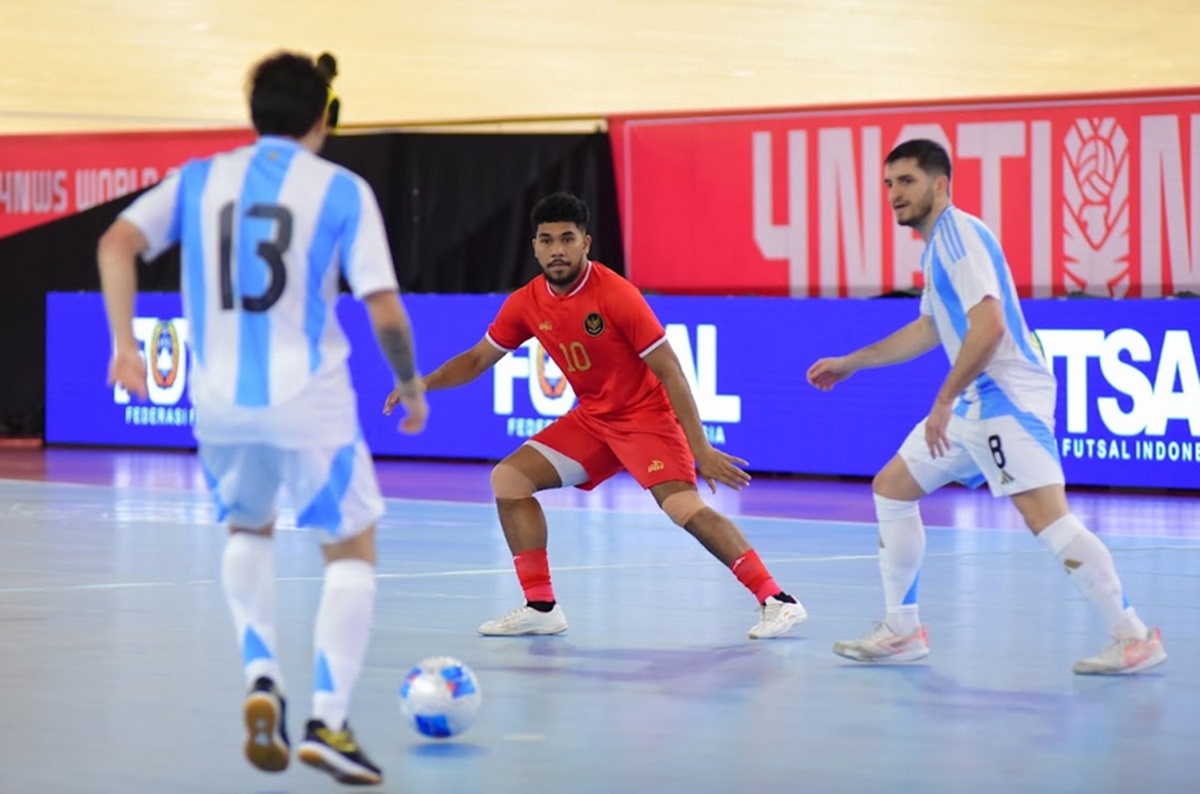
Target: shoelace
878, 634
515, 615
882, 630
1115, 651
771, 610
341, 740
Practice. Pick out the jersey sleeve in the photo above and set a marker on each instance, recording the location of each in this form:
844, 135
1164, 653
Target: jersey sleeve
156, 214
974, 275
634, 318
509, 330
367, 258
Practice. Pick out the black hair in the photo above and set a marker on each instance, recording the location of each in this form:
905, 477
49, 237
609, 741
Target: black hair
561, 208
327, 65
287, 95
930, 155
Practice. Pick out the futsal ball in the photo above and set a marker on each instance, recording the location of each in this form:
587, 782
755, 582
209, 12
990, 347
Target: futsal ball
440, 697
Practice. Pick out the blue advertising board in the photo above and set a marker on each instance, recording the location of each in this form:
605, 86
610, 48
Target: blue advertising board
1128, 413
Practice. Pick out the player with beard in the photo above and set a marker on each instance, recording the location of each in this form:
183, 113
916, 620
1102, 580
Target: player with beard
635, 411
992, 420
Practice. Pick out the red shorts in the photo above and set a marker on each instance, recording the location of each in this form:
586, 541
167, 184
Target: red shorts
650, 445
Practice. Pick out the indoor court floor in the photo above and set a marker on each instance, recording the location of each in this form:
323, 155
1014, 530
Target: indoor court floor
119, 673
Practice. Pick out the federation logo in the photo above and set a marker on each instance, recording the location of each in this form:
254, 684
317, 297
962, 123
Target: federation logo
593, 324
549, 376
165, 349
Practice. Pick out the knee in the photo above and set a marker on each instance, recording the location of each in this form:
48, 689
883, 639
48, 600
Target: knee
879, 483
886, 484
509, 482
895, 481
683, 506
360, 546
1037, 520
887, 509
1042, 507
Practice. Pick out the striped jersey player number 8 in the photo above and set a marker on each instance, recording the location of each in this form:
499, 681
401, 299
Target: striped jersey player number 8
997, 452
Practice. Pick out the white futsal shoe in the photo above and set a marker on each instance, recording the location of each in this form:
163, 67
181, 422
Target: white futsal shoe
777, 617
1124, 657
884, 645
526, 620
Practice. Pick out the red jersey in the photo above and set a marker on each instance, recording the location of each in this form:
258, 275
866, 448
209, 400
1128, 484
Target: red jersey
597, 334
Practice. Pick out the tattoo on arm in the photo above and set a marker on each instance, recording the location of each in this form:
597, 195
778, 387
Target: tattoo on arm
396, 344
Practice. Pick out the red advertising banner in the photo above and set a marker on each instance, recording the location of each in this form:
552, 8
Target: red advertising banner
43, 177
1089, 194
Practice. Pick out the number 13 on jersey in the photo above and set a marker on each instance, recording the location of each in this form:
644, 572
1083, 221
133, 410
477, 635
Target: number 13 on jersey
270, 251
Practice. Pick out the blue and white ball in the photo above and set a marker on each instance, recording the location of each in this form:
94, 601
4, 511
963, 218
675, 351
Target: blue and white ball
440, 697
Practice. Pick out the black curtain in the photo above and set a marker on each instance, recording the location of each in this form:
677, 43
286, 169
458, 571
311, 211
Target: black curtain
456, 208
55, 257
459, 206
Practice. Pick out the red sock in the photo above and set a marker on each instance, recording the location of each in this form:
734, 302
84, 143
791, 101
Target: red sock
533, 569
751, 572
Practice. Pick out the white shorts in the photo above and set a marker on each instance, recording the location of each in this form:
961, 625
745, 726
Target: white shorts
1013, 454
333, 488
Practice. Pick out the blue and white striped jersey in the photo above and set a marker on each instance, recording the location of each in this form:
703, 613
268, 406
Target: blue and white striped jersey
963, 263
264, 232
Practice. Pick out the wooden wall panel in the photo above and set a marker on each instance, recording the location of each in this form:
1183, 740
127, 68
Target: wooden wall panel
138, 64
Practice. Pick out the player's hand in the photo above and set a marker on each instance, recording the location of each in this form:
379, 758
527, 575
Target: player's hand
414, 389
935, 428
716, 466
127, 369
827, 371
416, 409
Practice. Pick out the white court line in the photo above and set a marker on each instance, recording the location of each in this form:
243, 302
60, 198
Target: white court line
490, 508
744, 517
559, 568
507, 571
41, 485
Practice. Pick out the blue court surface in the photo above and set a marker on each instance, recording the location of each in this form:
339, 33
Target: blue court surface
119, 671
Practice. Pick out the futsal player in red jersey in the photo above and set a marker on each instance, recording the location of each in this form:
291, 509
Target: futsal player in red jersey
635, 411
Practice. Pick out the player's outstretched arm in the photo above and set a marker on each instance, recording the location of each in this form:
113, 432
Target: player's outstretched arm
465, 367
116, 257
713, 464
393, 332
912, 340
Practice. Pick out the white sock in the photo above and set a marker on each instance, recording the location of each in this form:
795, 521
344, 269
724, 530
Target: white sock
901, 552
248, 578
1090, 566
342, 630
